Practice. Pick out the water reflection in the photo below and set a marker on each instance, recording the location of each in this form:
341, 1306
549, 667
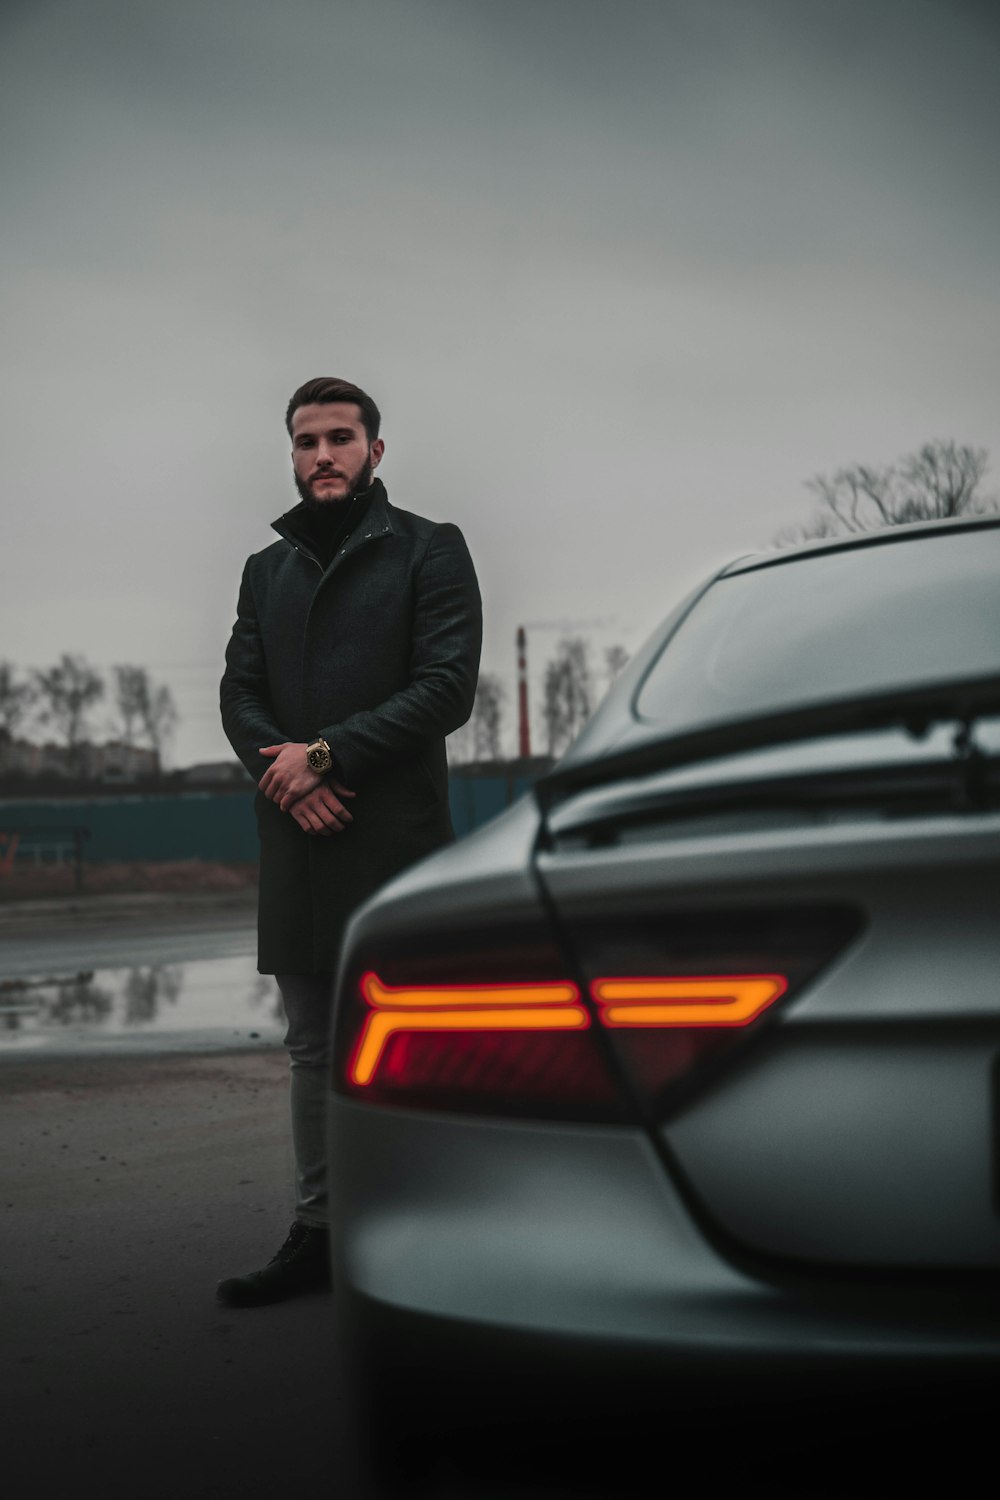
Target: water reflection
76, 1002
145, 988
265, 994
225, 994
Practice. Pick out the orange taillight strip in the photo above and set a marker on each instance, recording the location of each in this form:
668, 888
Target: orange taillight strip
551, 1006
705, 1000
701, 1000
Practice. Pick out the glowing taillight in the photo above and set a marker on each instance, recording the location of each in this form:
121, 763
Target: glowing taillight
636, 1014
402, 1009
693, 1000
395, 1012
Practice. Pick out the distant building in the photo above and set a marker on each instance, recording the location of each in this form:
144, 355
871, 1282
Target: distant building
117, 762
113, 762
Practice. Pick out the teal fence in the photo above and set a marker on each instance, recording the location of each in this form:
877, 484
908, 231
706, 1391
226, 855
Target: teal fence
215, 826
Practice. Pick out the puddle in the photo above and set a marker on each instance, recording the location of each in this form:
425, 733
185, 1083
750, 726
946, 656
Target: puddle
218, 1001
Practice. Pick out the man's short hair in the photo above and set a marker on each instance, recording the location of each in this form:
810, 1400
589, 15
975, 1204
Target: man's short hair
326, 389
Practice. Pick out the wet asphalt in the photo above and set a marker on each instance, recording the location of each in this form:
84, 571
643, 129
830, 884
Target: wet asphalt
94, 932
152, 974
130, 1185
130, 1182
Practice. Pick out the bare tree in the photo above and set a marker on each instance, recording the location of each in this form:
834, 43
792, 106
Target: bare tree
16, 698
568, 693
487, 717
459, 745
131, 689
159, 720
66, 692
615, 662
143, 709
943, 480
482, 737
940, 480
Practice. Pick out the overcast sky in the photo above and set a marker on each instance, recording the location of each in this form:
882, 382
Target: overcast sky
622, 276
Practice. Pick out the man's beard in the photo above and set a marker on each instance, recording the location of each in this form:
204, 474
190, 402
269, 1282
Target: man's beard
360, 482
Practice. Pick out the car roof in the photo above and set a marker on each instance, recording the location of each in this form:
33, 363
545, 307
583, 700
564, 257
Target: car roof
913, 531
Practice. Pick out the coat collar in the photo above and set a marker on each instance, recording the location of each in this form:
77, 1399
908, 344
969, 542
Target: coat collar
375, 522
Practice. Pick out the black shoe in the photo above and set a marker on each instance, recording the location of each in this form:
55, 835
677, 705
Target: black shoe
301, 1265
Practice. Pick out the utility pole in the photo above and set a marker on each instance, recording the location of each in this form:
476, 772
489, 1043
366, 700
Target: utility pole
523, 726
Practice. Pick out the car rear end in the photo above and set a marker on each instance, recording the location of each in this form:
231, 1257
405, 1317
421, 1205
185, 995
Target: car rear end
673, 1091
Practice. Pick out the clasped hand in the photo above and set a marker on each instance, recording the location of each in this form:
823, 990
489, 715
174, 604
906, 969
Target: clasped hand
291, 782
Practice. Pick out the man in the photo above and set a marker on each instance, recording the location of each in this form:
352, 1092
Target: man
355, 651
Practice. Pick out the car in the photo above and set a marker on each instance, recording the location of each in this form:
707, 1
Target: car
667, 1101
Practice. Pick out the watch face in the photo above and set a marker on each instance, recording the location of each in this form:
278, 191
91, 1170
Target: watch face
319, 758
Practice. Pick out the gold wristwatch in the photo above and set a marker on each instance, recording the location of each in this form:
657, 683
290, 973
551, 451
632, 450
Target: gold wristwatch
318, 756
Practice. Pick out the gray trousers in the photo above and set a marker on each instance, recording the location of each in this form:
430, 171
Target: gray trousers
306, 998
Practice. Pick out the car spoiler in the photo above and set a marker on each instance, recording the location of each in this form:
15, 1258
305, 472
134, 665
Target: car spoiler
913, 709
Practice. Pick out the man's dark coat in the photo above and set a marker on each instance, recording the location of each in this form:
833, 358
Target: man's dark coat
379, 654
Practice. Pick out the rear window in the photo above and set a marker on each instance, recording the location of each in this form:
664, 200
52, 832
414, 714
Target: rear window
901, 614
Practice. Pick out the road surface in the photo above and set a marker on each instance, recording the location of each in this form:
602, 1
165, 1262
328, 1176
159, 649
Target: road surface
130, 1185
98, 932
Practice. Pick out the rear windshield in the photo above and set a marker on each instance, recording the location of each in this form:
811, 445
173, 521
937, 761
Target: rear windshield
900, 614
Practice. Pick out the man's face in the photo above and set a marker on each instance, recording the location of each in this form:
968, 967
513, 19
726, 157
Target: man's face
331, 455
